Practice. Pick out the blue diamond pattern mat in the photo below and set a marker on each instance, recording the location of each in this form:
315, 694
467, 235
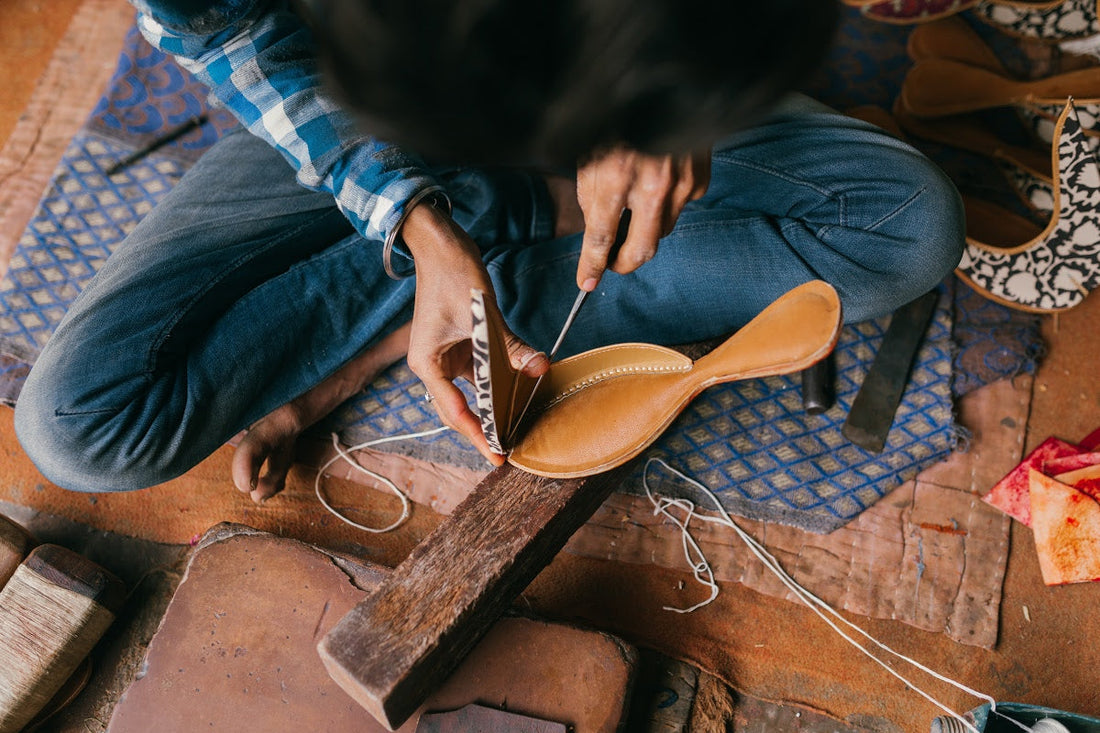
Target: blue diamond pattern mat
751, 441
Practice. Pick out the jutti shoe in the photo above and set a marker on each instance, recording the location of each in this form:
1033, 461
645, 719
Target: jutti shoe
908, 12
952, 38
937, 87
1028, 170
597, 410
1050, 22
1059, 266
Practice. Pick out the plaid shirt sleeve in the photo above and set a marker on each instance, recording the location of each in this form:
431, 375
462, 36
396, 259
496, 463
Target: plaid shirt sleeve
259, 64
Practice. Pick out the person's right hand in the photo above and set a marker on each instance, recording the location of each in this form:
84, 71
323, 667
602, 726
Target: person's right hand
448, 266
653, 188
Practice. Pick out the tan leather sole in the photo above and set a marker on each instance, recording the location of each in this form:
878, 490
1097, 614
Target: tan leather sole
599, 409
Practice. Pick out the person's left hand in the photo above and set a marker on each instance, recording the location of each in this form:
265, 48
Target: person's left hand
655, 188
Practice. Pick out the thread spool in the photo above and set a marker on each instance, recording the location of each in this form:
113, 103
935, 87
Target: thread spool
15, 543
53, 610
944, 724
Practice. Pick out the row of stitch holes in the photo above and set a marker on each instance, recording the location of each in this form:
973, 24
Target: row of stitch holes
616, 372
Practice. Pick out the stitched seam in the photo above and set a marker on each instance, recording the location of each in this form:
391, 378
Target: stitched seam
616, 372
75, 413
777, 173
904, 205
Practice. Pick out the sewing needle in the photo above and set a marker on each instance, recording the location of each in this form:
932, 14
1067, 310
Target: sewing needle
577, 303
620, 237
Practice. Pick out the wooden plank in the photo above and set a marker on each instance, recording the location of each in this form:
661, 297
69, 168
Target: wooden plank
393, 649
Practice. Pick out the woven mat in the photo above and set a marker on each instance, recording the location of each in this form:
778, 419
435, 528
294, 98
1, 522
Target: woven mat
79, 195
751, 442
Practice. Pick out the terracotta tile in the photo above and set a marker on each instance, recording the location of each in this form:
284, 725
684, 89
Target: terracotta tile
237, 650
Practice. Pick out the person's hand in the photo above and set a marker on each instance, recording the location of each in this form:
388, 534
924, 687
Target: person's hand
448, 266
654, 188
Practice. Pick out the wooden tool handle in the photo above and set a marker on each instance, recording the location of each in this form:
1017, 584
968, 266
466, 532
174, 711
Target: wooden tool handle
393, 649
15, 543
53, 610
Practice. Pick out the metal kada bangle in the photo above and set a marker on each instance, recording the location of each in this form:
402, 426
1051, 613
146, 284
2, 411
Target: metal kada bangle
436, 198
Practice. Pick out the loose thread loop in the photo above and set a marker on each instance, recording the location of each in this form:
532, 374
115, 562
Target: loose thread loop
705, 575
342, 454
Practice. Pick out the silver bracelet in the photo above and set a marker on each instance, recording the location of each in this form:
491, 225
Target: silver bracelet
435, 197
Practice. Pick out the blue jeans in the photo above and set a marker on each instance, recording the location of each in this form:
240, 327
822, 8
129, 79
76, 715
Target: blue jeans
242, 290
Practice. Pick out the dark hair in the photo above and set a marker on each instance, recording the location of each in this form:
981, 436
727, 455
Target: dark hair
550, 81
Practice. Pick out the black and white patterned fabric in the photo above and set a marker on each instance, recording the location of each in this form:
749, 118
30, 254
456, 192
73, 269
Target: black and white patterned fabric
1034, 189
1062, 20
1042, 118
1058, 269
483, 383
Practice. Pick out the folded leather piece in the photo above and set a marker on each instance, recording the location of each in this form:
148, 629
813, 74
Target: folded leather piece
1012, 494
599, 409
1066, 524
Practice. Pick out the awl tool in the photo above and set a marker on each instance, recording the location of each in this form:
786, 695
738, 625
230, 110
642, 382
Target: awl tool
620, 237
577, 303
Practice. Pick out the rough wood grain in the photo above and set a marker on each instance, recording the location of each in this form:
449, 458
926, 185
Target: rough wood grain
392, 650
15, 543
52, 612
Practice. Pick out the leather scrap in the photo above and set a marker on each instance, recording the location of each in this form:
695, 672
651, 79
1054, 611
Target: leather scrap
1011, 494
1066, 523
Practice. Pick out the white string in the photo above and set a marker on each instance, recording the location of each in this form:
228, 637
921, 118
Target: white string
702, 571
342, 454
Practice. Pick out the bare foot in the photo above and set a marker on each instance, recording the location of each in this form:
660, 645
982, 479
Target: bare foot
266, 452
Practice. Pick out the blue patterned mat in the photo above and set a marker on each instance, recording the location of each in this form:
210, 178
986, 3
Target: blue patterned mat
751, 441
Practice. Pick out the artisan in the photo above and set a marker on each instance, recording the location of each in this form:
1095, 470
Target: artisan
490, 144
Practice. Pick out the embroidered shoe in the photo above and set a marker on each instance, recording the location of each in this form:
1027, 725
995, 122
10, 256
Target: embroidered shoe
906, 12
1058, 267
1051, 22
937, 87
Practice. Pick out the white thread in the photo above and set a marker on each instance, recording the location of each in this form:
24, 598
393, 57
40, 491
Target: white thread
618, 372
701, 567
341, 453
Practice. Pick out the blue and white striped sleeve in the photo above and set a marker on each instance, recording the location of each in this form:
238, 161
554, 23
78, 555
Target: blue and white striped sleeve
259, 63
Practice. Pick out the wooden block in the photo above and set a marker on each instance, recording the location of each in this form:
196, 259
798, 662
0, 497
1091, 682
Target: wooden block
53, 610
15, 543
394, 648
